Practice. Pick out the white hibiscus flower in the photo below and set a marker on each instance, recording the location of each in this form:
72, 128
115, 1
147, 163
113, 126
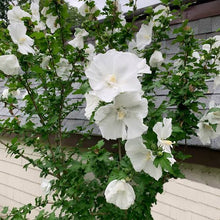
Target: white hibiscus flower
78, 41
6, 93
9, 64
124, 118
114, 72
206, 47
217, 41
144, 35
40, 26
51, 23
35, 10
45, 62
196, 55
51, 20
214, 117
44, 11
45, 186
35, 16
160, 11
18, 35
206, 132
163, 131
16, 14
85, 9
156, 59
63, 69
120, 193
142, 158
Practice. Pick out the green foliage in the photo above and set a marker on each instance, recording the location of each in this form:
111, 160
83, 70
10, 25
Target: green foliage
74, 18
4, 6
80, 175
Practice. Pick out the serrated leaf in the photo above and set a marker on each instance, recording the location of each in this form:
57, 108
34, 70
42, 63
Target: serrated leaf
164, 162
116, 175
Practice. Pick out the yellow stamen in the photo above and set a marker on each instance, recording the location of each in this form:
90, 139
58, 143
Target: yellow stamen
121, 114
167, 142
147, 37
22, 40
112, 78
208, 127
148, 155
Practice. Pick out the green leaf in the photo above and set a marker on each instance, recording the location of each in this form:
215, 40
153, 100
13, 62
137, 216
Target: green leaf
177, 129
180, 155
38, 35
5, 210
164, 162
99, 145
117, 174
83, 89
14, 140
214, 126
214, 110
37, 69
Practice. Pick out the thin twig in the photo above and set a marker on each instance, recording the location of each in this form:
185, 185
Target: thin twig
25, 157
119, 149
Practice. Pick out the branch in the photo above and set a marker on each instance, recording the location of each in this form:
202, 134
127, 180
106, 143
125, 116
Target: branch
27, 87
26, 158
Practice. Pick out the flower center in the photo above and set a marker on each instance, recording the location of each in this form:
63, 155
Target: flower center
167, 142
121, 114
148, 156
22, 40
207, 127
147, 37
112, 78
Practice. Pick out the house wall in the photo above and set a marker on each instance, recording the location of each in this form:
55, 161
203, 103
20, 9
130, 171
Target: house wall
17, 186
184, 199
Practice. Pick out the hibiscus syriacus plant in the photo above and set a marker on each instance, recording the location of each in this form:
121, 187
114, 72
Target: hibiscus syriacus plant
110, 70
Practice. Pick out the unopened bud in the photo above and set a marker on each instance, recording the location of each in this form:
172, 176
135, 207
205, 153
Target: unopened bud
127, 179
191, 88
160, 153
187, 28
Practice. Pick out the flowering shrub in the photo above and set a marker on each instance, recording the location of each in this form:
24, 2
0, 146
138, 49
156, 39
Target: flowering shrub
118, 74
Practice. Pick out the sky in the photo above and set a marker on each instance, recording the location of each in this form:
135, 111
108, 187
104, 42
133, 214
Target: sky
101, 3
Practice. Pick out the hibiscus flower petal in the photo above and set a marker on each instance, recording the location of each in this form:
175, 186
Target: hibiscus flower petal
153, 171
109, 125
136, 151
135, 126
120, 193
